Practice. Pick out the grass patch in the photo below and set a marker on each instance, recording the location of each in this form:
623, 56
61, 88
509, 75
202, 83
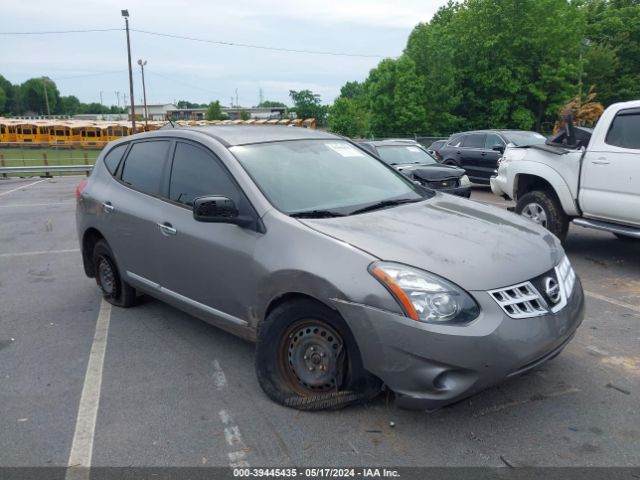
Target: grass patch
35, 156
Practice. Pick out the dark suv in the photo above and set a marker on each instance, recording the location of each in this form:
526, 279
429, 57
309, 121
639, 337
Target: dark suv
478, 151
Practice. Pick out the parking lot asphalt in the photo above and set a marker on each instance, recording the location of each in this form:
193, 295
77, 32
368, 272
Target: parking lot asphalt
176, 391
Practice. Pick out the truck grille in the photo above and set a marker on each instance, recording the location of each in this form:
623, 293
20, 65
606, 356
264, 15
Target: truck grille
524, 300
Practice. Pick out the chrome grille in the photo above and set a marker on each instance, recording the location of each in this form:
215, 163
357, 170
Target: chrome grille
524, 300
520, 301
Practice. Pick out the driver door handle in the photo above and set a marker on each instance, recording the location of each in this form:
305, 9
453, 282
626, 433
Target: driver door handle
600, 161
107, 207
166, 228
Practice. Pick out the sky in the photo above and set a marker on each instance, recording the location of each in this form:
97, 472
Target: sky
86, 64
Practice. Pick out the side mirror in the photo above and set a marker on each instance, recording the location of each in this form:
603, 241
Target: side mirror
215, 208
498, 147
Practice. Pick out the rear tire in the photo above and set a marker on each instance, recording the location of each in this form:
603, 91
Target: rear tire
544, 208
307, 359
114, 289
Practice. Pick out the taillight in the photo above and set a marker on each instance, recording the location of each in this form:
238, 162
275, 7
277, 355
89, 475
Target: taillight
438, 155
80, 187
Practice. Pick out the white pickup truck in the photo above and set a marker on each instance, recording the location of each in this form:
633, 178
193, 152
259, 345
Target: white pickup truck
596, 184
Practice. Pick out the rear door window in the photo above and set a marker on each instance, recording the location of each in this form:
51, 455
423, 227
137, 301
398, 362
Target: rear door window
144, 165
475, 140
112, 159
196, 172
625, 130
492, 140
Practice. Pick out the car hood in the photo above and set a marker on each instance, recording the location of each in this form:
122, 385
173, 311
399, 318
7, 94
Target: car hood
431, 172
477, 246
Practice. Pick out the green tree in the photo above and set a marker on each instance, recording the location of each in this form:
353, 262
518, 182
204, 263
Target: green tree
499, 63
348, 117
308, 105
69, 105
3, 100
12, 94
613, 57
214, 111
244, 114
33, 98
271, 104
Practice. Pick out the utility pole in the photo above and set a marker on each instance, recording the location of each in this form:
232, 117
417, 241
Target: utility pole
261, 97
118, 97
101, 97
583, 46
46, 96
237, 104
125, 14
144, 95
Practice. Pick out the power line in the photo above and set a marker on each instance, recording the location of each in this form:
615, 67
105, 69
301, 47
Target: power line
89, 75
261, 47
204, 40
63, 31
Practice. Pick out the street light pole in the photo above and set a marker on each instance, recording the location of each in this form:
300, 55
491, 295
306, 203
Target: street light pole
125, 14
142, 63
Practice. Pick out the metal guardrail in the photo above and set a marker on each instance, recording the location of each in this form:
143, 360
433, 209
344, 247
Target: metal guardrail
46, 169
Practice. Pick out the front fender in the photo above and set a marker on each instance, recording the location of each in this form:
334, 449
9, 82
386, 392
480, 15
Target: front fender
549, 175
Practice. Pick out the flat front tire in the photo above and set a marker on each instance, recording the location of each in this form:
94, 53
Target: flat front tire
544, 208
307, 359
114, 289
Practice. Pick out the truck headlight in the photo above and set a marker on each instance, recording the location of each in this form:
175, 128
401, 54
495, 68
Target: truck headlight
464, 181
423, 296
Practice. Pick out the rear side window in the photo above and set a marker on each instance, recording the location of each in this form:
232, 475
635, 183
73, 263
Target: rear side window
196, 172
457, 141
475, 140
112, 159
625, 130
143, 166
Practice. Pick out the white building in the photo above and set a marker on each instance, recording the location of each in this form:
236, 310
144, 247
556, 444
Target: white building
154, 111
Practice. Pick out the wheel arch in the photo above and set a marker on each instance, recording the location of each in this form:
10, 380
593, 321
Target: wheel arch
89, 239
546, 179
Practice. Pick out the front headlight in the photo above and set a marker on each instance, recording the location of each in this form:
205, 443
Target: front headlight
464, 181
424, 296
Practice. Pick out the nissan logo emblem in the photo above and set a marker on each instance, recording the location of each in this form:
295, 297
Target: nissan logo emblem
552, 289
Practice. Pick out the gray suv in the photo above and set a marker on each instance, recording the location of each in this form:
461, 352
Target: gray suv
345, 273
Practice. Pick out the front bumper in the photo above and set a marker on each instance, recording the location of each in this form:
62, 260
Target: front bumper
429, 366
498, 185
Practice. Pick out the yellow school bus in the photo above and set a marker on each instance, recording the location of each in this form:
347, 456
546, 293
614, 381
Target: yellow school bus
26, 132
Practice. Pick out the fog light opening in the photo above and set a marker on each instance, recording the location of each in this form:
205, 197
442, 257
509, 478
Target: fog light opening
440, 381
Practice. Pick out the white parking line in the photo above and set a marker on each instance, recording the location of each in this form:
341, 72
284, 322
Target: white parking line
613, 301
82, 444
21, 187
40, 252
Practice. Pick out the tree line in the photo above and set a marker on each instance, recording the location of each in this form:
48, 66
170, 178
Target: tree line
29, 98
496, 64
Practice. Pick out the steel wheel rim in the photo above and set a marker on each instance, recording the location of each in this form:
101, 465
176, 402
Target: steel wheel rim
107, 277
535, 213
312, 356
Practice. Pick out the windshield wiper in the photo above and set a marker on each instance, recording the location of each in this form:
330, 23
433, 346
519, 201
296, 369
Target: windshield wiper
384, 204
317, 214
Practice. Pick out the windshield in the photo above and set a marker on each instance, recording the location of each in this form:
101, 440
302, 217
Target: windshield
521, 139
320, 175
403, 154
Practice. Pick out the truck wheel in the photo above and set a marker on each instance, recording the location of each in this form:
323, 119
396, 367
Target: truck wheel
114, 290
306, 358
543, 208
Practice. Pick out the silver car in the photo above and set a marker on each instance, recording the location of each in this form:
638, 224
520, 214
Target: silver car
347, 275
